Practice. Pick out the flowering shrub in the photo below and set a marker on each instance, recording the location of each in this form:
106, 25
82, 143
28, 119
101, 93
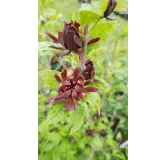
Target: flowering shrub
82, 81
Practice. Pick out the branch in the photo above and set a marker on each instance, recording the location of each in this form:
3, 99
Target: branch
92, 154
83, 54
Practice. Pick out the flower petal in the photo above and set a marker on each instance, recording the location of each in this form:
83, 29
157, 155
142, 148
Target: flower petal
80, 96
69, 104
95, 40
60, 38
55, 39
64, 74
60, 97
57, 78
60, 55
60, 48
80, 81
76, 73
88, 82
67, 93
86, 90
74, 93
77, 40
77, 25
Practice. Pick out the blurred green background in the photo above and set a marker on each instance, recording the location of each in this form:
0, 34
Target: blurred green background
110, 56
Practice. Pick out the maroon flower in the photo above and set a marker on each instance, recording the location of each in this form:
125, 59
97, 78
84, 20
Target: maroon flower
103, 133
89, 132
71, 88
110, 8
89, 72
69, 38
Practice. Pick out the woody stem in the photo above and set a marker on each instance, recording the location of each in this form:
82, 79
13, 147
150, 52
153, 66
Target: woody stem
83, 54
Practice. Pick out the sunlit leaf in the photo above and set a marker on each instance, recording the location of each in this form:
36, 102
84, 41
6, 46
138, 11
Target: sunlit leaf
48, 77
77, 119
57, 114
93, 99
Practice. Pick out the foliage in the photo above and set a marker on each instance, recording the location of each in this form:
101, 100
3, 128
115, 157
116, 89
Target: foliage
62, 134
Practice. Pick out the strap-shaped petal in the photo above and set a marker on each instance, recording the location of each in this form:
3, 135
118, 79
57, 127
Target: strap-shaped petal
74, 93
76, 73
57, 78
64, 74
67, 93
95, 40
86, 90
69, 104
60, 97
60, 38
55, 39
60, 55
77, 40
59, 48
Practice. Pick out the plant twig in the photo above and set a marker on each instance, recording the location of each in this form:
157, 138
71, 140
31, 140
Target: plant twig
83, 53
92, 154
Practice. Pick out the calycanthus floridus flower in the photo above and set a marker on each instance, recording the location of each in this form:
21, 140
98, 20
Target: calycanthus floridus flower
70, 39
89, 72
110, 8
71, 88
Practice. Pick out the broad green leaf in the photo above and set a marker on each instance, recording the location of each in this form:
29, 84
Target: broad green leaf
87, 17
97, 142
48, 77
93, 99
77, 119
57, 114
89, 13
101, 85
43, 128
103, 5
102, 29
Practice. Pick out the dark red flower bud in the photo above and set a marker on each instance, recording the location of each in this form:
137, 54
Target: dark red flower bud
89, 132
103, 133
71, 88
110, 8
69, 38
89, 71
119, 140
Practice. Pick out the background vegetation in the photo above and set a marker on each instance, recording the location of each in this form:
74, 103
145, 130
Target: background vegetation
100, 136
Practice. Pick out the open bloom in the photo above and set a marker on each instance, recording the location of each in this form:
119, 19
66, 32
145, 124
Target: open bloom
110, 8
69, 38
71, 88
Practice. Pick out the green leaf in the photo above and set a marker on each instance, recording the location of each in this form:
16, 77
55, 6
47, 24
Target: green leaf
43, 128
74, 16
77, 119
89, 13
87, 17
103, 5
97, 142
101, 85
57, 114
93, 99
102, 29
48, 77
